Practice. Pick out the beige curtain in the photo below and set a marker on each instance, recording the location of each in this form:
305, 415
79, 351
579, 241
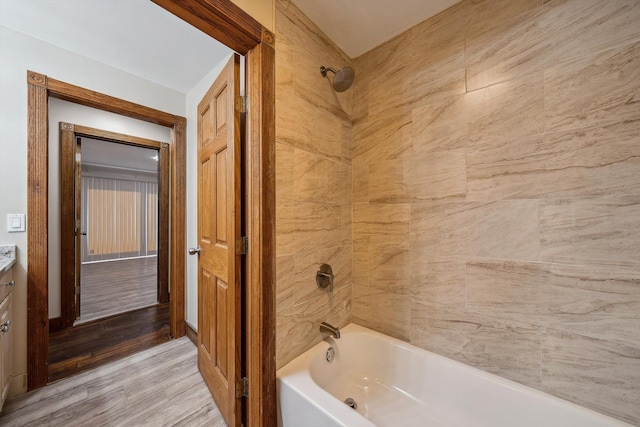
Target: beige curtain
120, 218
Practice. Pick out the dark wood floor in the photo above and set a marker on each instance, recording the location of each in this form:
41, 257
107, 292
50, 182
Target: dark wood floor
86, 346
112, 287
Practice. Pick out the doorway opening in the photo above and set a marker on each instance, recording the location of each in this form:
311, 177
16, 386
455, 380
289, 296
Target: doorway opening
114, 231
229, 24
118, 203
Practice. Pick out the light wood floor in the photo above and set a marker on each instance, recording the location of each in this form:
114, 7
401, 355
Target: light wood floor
158, 387
113, 287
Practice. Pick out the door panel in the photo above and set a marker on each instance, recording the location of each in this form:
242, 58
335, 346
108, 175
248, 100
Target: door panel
219, 334
78, 217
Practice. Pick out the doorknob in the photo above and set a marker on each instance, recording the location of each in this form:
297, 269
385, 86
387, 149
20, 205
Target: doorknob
5, 326
193, 251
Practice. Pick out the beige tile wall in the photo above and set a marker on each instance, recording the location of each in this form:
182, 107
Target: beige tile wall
496, 194
313, 184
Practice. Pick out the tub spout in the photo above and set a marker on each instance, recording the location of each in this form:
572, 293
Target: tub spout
330, 329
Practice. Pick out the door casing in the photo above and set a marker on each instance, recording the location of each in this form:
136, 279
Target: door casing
39, 89
227, 23
69, 201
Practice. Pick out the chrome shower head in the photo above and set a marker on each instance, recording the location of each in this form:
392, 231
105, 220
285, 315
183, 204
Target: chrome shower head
343, 78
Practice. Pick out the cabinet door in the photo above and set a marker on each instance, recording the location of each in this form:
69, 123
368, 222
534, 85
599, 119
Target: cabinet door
6, 331
4, 283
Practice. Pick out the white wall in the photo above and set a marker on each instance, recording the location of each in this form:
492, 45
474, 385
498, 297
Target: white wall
193, 98
63, 111
19, 53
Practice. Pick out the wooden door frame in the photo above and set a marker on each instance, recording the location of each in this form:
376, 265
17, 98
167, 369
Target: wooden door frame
227, 23
68, 198
230, 25
39, 89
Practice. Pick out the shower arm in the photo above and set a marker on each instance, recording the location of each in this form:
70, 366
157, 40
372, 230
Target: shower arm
323, 71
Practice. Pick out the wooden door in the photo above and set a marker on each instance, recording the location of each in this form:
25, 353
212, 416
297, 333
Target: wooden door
81, 232
219, 221
70, 226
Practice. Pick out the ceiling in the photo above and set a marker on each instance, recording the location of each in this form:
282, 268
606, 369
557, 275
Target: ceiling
358, 26
136, 36
163, 49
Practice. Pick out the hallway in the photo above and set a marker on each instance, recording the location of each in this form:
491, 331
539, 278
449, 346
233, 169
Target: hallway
114, 287
158, 387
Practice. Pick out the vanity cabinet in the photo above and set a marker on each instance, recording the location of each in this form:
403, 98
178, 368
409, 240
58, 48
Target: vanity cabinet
5, 284
6, 334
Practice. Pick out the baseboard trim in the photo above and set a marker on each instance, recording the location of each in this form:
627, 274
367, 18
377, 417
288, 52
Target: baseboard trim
55, 324
191, 334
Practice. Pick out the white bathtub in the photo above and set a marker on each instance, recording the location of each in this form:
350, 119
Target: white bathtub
396, 384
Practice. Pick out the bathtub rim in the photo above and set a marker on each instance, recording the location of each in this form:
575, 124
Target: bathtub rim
297, 375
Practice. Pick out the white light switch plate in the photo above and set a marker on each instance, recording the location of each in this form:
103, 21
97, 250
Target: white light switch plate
15, 222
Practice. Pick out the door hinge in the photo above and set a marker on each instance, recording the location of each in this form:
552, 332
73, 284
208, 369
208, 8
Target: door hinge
242, 104
242, 245
242, 388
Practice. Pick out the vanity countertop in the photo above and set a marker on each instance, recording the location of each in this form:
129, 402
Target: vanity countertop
7, 257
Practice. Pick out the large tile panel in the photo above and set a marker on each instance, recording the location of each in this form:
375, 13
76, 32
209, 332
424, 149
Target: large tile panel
508, 110
387, 66
317, 179
558, 31
385, 312
389, 268
506, 348
437, 68
284, 172
441, 281
600, 375
386, 136
437, 175
388, 181
597, 161
503, 229
594, 302
592, 231
298, 328
580, 28
485, 15
302, 226
597, 90
381, 224
284, 282
307, 263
